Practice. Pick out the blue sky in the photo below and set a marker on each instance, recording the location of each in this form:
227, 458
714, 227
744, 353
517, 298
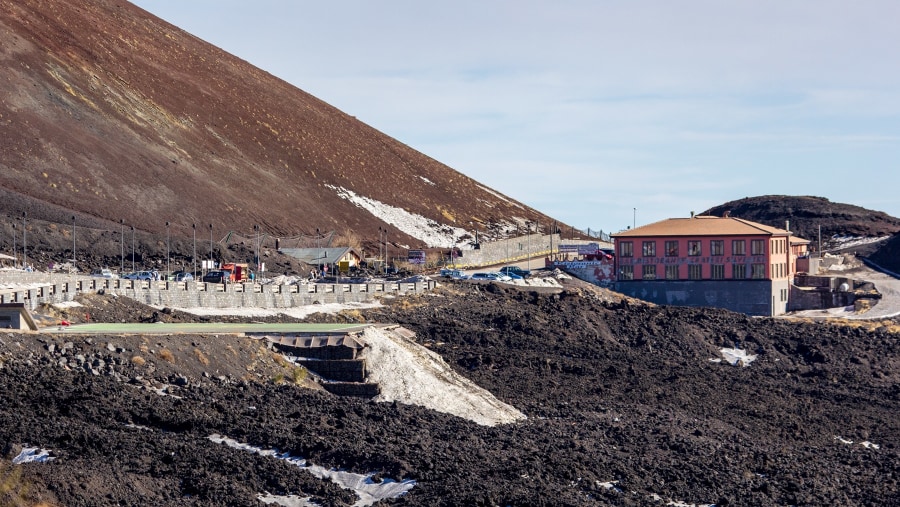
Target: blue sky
601, 113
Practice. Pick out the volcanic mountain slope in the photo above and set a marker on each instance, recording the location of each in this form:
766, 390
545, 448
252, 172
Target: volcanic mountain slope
110, 113
806, 214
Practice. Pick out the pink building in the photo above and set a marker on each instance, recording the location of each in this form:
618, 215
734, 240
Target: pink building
723, 262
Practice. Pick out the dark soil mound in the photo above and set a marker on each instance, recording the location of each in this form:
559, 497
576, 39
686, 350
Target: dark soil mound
806, 214
614, 391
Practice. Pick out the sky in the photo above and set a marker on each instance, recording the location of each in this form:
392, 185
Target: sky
602, 114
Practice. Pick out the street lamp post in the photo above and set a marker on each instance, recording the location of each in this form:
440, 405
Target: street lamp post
73, 241
528, 247
507, 245
132, 248
194, 253
24, 242
210, 247
379, 243
167, 251
15, 253
122, 243
256, 228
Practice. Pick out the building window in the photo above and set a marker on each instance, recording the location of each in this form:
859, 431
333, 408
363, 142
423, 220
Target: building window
717, 271
695, 271
738, 247
649, 248
626, 249
717, 247
671, 272
671, 249
757, 247
693, 248
738, 271
648, 272
758, 271
626, 273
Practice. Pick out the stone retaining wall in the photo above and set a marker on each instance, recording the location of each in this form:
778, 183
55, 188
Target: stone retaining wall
44, 289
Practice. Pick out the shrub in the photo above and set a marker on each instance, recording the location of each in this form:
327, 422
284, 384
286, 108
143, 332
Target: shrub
138, 361
167, 355
201, 357
13, 489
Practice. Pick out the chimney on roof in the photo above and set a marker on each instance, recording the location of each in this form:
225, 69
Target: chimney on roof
692, 214
787, 225
726, 214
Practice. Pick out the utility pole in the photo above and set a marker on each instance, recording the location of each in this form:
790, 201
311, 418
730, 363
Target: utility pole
132, 248
634, 219
15, 252
820, 241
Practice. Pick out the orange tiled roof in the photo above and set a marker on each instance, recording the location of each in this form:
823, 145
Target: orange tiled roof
703, 225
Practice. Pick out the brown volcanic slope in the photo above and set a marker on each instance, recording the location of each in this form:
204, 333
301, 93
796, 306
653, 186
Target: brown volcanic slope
807, 213
113, 114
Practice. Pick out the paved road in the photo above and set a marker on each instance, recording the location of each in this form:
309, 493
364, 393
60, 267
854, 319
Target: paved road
889, 287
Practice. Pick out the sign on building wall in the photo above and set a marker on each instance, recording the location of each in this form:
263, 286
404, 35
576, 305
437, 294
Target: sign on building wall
581, 249
416, 257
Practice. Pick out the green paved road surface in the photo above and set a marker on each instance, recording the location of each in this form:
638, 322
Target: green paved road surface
202, 328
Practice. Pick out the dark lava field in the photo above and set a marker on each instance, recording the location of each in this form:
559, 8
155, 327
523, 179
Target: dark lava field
626, 404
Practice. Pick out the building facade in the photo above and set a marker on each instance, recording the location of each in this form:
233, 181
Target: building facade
722, 262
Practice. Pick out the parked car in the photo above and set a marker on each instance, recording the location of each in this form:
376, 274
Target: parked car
492, 276
104, 273
217, 276
515, 270
139, 275
455, 274
182, 276
415, 279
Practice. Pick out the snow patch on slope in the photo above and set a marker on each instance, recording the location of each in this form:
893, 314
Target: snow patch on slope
410, 373
367, 490
424, 229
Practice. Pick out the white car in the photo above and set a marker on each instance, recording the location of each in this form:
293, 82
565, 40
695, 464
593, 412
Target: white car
493, 276
104, 273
